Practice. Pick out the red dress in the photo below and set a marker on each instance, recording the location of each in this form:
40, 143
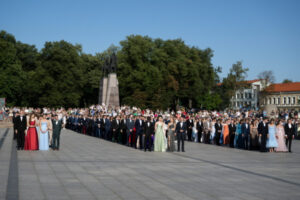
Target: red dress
31, 139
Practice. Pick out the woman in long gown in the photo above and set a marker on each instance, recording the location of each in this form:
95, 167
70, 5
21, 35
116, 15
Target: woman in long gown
271, 141
171, 136
31, 139
44, 128
159, 139
254, 135
280, 136
213, 131
238, 135
226, 133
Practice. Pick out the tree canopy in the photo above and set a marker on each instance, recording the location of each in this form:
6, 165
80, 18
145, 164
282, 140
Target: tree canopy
152, 73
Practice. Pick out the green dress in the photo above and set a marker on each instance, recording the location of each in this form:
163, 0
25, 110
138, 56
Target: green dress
159, 140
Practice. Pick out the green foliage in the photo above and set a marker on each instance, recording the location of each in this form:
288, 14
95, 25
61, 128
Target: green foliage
233, 82
287, 81
152, 73
12, 76
163, 72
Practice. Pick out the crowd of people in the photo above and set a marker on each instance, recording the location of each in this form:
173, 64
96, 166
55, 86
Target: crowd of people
157, 130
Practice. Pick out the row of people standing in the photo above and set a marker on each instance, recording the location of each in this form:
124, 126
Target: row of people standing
37, 131
147, 133
249, 134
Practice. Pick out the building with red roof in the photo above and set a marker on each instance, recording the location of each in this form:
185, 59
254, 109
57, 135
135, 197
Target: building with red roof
282, 96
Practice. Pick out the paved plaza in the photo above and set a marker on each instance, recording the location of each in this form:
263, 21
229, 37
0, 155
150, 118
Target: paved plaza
89, 168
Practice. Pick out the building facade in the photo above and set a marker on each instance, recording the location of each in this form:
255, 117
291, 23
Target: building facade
281, 97
248, 97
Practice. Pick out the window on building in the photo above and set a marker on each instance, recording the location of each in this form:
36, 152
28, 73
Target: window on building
238, 104
284, 100
274, 101
250, 96
289, 100
242, 96
278, 101
293, 100
237, 95
269, 102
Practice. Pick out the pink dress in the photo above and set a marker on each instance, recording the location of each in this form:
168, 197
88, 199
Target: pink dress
280, 139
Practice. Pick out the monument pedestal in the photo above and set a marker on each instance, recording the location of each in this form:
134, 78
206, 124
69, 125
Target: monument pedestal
109, 90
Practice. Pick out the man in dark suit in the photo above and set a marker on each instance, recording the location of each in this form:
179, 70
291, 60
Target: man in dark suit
123, 130
139, 125
115, 126
190, 125
89, 126
180, 133
148, 133
56, 126
98, 126
263, 134
232, 129
103, 126
245, 133
218, 127
21, 125
129, 130
84, 124
15, 116
199, 127
108, 128
289, 134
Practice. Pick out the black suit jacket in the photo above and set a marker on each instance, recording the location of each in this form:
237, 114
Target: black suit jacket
263, 130
115, 125
232, 129
21, 125
190, 124
148, 129
289, 131
199, 127
218, 128
178, 127
139, 127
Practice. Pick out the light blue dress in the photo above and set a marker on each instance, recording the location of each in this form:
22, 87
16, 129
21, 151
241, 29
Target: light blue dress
238, 134
271, 141
43, 142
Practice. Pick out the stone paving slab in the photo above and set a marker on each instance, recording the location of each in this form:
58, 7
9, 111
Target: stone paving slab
91, 168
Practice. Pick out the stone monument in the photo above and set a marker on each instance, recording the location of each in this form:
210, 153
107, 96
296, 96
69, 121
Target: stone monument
109, 85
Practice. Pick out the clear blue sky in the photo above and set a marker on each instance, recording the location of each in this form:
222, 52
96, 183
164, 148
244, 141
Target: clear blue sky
264, 34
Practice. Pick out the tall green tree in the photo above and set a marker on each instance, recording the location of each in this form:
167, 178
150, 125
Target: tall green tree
12, 76
60, 75
234, 81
